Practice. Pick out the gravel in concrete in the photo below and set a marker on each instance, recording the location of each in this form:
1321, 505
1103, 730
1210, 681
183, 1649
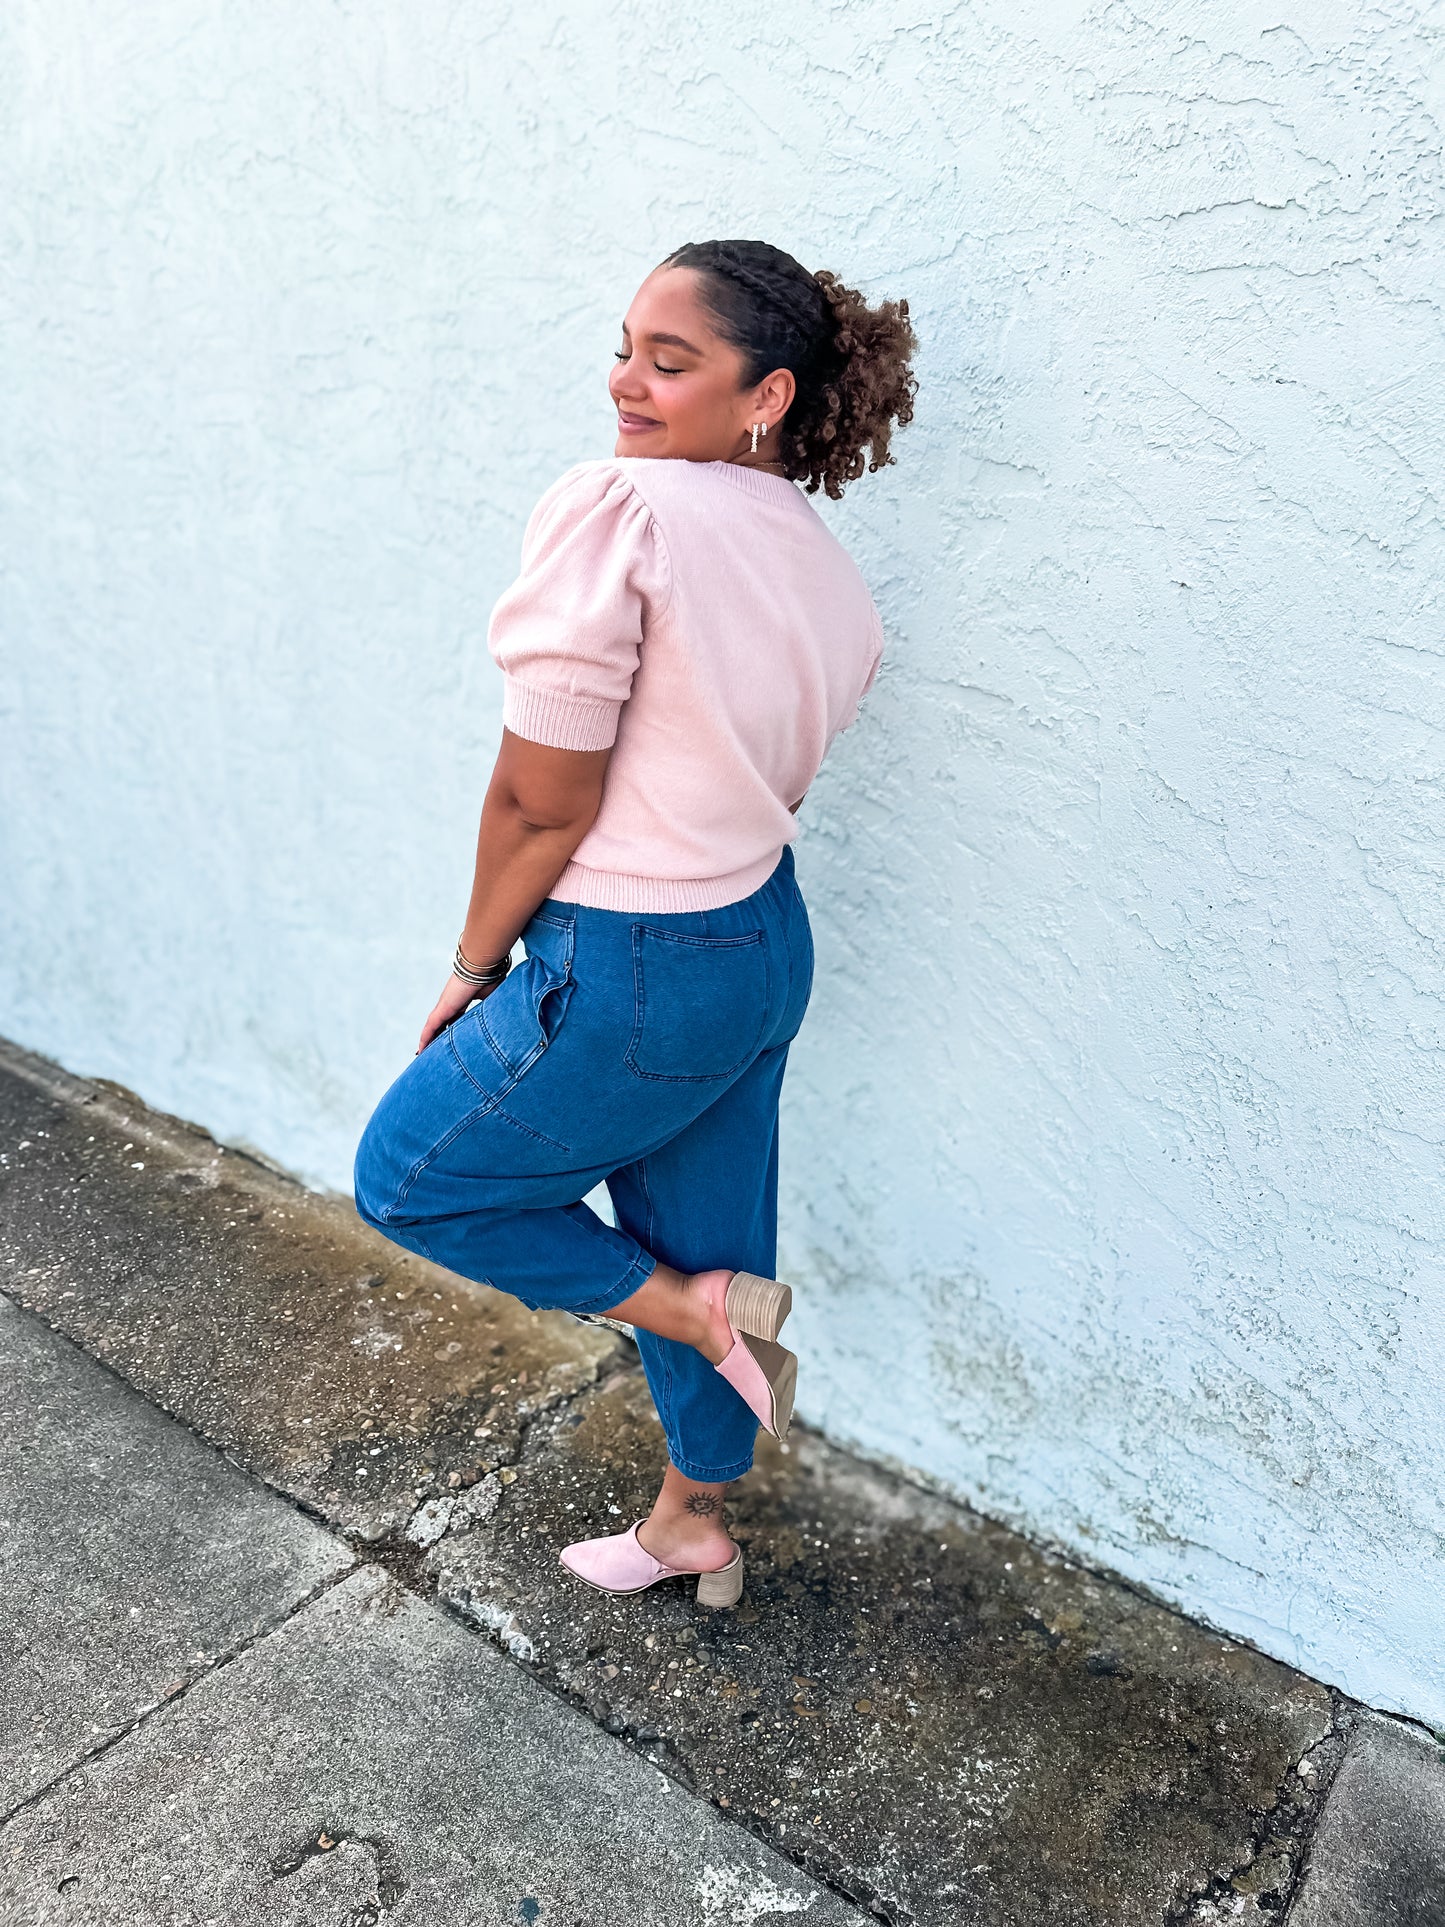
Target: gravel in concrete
1378, 1855
131, 1556
373, 1762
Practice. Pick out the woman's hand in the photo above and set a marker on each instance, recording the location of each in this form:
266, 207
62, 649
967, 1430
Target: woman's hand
457, 993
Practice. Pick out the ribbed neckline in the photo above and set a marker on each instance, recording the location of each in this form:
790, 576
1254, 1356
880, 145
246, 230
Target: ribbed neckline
757, 482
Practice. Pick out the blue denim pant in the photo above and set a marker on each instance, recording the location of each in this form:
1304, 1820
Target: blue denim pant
643, 1051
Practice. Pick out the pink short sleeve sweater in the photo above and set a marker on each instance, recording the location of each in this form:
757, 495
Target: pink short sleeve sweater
702, 619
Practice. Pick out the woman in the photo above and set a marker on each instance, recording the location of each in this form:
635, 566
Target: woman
684, 642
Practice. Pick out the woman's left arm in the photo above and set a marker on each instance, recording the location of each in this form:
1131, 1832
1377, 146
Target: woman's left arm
539, 805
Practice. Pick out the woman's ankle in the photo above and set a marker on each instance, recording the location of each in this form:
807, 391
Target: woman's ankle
715, 1338
685, 1542
684, 1306
687, 1524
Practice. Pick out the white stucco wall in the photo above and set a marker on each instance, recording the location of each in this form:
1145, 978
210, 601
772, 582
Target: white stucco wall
1114, 1141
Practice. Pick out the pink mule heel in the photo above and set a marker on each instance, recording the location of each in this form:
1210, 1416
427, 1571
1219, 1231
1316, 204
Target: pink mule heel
618, 1563
762, 1372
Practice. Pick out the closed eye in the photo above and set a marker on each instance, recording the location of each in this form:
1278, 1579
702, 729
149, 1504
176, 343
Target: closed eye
621, 354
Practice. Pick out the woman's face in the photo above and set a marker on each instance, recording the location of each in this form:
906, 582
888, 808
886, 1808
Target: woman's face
676, 382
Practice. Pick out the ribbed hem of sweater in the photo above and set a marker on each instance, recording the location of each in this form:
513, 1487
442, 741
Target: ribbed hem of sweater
557, 720
658, 896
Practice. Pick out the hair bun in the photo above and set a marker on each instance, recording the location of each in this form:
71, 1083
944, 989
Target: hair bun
850, 361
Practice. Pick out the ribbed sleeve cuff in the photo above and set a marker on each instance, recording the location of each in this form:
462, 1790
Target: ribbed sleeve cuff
558, 720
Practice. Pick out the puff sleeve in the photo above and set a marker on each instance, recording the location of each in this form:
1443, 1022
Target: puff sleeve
568, 632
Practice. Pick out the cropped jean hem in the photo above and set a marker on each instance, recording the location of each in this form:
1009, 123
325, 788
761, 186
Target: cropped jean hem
633, 1279
711, 1474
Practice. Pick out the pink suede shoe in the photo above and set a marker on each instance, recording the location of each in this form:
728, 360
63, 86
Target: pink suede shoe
620, 1563
766, 1376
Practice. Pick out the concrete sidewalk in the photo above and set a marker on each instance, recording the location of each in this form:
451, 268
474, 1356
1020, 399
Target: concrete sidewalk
913, 1709
212, 1711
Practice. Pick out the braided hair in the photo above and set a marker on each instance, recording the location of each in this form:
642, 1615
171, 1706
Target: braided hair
850, 361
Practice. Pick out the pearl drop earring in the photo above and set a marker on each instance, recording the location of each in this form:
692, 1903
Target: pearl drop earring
758, 428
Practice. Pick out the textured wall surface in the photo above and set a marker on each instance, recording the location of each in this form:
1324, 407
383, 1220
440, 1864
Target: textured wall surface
1116, 1128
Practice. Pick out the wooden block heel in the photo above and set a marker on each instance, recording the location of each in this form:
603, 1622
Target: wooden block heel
757, 1305
722, 1588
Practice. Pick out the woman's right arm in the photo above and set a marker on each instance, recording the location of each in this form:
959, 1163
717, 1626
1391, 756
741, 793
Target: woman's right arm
539, 805
567, 636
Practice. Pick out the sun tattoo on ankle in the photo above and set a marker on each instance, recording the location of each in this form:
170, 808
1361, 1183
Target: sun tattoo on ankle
702, 1504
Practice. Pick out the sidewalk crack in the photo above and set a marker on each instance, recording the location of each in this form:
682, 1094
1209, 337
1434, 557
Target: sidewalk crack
1270, 1870
221, 1661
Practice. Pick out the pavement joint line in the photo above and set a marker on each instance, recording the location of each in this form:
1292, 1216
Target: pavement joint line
312, 1514
401, 1561
1332, 1751
405, 1562
1349, 1715
659, 1754
221, 1661
1331, 1747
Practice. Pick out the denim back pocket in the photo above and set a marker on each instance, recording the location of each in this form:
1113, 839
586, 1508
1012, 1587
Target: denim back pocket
702, 1004
510, 1029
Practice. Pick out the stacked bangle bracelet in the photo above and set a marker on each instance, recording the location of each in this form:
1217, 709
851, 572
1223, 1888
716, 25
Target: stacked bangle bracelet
469, 974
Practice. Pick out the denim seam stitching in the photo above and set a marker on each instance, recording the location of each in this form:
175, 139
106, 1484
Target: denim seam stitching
705, 941
649, 1222
511, 1076
514, 1072
404, 1188
528, 1130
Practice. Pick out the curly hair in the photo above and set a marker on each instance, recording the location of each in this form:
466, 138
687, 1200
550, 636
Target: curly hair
850, 361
